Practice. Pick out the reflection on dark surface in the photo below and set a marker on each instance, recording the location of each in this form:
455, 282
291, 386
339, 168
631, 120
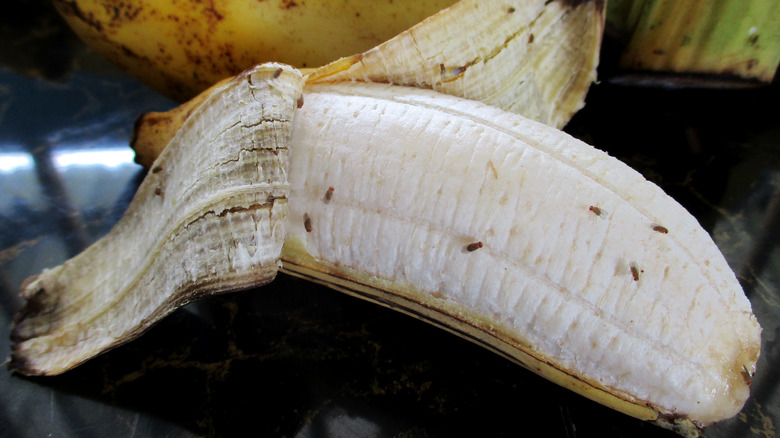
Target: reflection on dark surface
296, 359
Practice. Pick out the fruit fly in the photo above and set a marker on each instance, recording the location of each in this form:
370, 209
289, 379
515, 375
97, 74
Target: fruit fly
635, 271
660, 229
473, 246
307, 223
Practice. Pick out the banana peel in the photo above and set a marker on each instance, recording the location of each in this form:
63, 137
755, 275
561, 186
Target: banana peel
223, 179
537, 59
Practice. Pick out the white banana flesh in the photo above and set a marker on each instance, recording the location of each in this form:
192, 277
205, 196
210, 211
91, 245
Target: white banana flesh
210, 217
521, 238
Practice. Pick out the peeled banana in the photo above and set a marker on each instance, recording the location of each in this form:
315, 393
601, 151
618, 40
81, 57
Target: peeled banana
503, 230
181, 48
524, 240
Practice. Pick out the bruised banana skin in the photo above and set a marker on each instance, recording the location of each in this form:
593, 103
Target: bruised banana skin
210, 217
535, 58
522, 239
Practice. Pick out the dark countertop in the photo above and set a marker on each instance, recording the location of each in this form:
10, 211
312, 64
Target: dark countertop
297, 359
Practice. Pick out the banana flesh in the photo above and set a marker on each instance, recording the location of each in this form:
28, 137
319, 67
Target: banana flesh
537, 59
523, 239
209, 218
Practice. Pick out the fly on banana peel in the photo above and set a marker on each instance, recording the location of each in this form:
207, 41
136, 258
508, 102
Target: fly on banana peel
503, 230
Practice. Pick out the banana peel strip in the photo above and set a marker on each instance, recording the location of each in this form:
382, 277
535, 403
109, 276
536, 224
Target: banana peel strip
210, 217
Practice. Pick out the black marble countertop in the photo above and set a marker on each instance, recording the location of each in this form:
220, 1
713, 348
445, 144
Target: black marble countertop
297, 359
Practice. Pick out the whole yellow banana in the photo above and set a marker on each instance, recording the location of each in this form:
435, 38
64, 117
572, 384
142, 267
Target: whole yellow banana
180, 48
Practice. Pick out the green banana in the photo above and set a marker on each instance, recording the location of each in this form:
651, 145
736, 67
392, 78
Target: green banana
699, 42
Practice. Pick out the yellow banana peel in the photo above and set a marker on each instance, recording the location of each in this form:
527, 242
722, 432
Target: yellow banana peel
181, 48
